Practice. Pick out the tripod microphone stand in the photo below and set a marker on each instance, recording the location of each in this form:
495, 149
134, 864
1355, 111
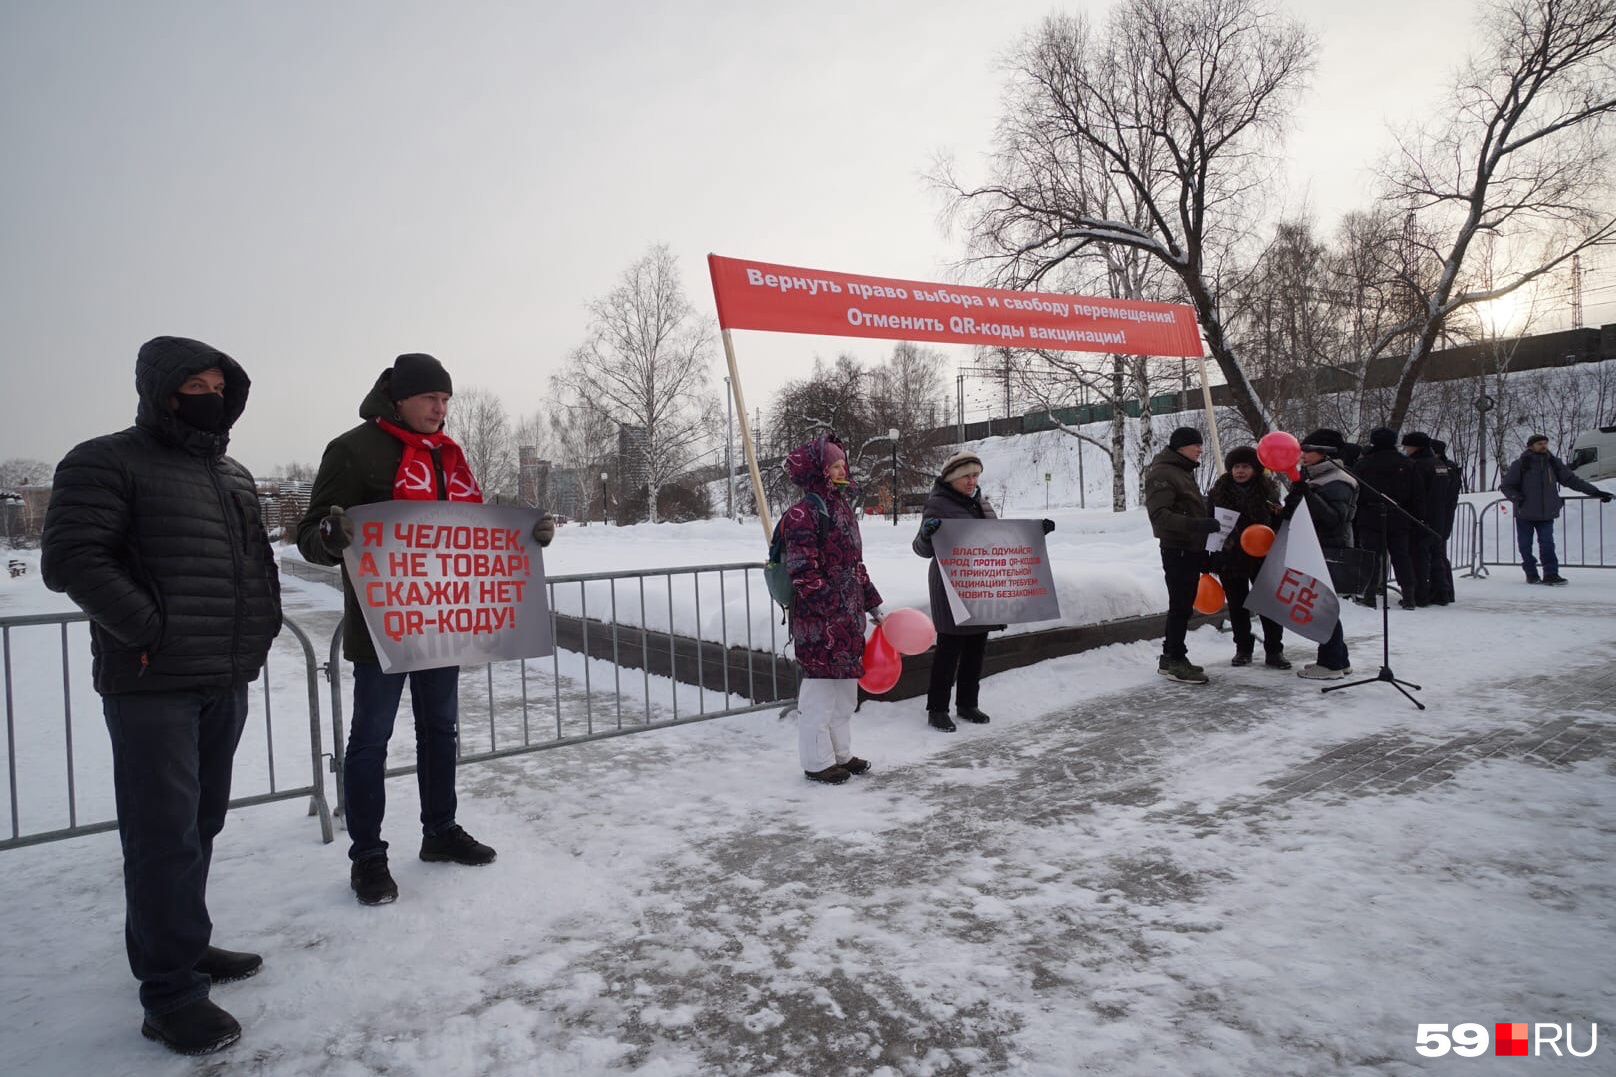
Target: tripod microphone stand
1385, 675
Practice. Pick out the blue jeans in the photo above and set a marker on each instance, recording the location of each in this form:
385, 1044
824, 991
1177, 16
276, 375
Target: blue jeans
435, 699
172, 754
1544, 530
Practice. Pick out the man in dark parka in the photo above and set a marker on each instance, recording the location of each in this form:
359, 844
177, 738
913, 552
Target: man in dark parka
1181, 521
156, 534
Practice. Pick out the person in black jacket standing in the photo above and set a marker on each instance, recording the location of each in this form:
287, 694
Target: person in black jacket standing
1447, 485
1385, 469
1244, 488
156, 534
1181, 521
399, 451
1423, 544
960, 648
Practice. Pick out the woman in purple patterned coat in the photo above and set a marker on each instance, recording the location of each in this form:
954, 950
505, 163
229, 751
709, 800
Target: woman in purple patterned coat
833, 592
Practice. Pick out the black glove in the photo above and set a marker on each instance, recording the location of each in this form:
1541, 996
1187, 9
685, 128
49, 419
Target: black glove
336, 531
1604, 499
929, 526
1297, 495
1204, 525
1049, 525
544, 529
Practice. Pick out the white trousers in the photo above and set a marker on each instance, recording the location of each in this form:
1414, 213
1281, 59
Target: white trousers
825, 721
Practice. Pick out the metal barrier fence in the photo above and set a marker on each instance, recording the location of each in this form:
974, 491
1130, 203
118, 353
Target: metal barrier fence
1582, 539
1464, 543
51, 774
536, 704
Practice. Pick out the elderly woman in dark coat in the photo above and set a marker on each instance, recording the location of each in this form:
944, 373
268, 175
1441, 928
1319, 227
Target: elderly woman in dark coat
832, 593
954, 496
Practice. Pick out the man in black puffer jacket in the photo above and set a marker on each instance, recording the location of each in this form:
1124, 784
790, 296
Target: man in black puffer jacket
156, 534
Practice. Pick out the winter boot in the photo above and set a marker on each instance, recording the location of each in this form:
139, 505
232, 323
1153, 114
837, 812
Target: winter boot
199, 1028
1181, 670
1277, 660
1242, 657
371, 881
1315, 672
855, 765
971, 714
941, 720
1531, 576
1554, 579
455, 846
228, 966
1163, 662
831, 775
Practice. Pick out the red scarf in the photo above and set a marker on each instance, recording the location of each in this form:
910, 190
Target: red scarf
417, 478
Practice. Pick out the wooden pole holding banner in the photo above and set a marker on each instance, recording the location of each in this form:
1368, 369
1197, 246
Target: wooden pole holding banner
746, 438
1211, 419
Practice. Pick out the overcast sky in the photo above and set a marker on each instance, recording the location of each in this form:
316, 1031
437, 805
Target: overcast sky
316, 187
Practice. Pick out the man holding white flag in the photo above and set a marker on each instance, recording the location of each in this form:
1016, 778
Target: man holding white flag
1294, 585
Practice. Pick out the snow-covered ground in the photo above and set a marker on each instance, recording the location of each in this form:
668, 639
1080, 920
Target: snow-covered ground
1119, 875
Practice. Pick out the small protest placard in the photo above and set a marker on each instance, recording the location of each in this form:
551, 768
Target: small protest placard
449, 583
996, 571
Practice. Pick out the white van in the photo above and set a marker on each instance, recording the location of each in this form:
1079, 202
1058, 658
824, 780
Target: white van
1593, 455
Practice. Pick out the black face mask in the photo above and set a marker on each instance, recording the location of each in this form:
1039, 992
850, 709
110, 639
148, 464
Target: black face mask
204, 411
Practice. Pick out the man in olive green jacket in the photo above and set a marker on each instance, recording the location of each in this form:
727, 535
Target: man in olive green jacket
1181, 521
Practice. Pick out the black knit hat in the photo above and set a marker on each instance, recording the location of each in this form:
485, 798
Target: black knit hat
1328, 442
1438, 447
417, 373
1417, 440
1241, 454
1184, 435
1535, 438
1382, 437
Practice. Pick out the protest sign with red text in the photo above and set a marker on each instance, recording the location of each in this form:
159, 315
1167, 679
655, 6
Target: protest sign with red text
449, 583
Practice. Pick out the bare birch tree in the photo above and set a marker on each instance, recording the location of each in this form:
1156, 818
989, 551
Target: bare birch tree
478, 423
1172, 108
645, 366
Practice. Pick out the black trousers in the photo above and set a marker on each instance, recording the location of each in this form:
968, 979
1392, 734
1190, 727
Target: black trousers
1183, 571
961, 657
1400, 549
171, 766
1236, 589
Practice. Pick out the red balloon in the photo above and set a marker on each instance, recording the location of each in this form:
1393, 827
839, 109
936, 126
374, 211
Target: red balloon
1257, 540
1293, 473
1279, 451
1208, 595
909, 631
882, 664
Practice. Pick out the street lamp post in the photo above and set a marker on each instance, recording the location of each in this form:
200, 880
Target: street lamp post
1484, 404
893, 435
603, 477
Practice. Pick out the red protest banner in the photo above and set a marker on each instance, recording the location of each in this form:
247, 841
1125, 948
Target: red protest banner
789, 299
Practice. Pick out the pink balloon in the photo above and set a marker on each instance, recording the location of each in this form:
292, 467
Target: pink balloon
909, 631
882, 664
1279, 451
